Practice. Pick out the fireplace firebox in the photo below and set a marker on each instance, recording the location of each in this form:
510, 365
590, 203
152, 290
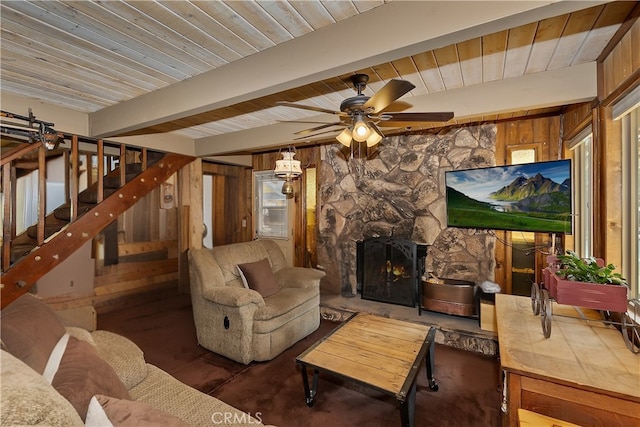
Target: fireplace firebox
389, 269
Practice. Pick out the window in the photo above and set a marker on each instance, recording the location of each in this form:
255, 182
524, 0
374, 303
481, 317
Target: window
207, 210
627, 110
527, 155
631, 200
582, 181
310, 255
270, 206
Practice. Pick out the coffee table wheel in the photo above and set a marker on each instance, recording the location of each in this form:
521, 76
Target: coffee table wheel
433, 385
311, 399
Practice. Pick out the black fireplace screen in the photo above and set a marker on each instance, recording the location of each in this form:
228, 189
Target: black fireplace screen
389, 269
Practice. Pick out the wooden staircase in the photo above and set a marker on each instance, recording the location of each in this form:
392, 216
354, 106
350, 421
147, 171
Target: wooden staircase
29, 256
23, 244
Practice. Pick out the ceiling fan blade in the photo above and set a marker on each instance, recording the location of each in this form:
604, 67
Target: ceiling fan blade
308, 107
388, 94
316, 134
417, 117
310, 130
302, 121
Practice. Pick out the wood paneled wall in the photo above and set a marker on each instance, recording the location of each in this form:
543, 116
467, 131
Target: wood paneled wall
576, 118
543, 135
618, 74
309, 157
621, 66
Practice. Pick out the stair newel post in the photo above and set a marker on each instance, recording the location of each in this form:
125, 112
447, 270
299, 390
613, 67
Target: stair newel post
8, 184
123, 165
42, 192
100, 155
144, 159
75, 183
66, 156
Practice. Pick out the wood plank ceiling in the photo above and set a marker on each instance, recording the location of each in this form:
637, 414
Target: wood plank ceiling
212, 71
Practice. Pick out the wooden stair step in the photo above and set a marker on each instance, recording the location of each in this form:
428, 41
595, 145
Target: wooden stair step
153, 157
52, 226
91, 197
133, 168
22, 238
22, 249
63, 213
113, 181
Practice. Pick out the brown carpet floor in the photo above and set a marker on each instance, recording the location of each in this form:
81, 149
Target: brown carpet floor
468, 395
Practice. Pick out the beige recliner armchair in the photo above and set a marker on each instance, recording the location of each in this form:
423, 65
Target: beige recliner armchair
239, 322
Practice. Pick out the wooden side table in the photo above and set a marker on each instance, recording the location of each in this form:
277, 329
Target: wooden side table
583, 373
531, 419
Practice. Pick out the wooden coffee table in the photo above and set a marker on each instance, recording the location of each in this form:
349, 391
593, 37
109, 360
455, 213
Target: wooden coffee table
377, 352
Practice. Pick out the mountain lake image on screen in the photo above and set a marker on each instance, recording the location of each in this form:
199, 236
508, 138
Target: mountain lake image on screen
525, 197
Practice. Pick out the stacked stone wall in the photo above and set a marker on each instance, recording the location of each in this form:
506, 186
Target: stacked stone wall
399, 190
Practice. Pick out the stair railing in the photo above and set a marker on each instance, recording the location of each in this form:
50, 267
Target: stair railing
22, 156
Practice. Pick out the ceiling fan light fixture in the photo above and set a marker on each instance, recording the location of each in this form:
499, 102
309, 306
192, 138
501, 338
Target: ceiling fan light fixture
362, 114
360, 130
345, 137
373, 139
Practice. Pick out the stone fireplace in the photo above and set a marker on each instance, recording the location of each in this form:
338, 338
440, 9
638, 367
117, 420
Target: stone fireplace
389, 269
397, 190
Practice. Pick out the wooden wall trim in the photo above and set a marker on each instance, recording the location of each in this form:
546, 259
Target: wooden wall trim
192, 230
619, 73
576, 118
621, 91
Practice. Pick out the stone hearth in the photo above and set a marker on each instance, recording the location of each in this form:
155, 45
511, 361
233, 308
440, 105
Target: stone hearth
453, 331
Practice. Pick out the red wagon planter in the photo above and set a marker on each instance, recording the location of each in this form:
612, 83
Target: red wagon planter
596, 296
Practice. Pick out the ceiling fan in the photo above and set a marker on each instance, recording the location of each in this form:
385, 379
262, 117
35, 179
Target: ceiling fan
362, 116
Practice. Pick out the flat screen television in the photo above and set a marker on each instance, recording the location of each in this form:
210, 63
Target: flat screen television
526, 197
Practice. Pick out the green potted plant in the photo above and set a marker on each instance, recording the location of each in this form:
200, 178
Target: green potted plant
590, 269
586, 282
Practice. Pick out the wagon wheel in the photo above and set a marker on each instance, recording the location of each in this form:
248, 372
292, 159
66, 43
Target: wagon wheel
545, 314
631, 333
535, 298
